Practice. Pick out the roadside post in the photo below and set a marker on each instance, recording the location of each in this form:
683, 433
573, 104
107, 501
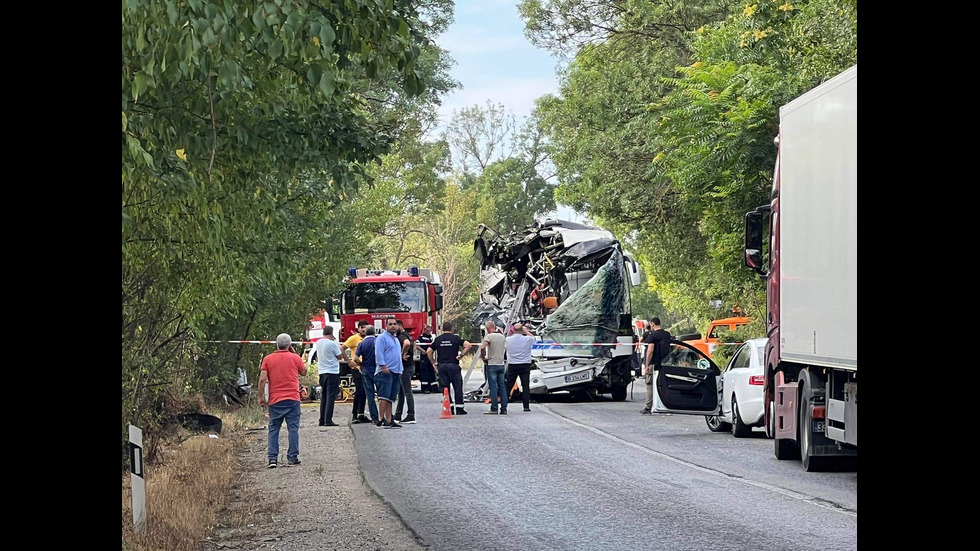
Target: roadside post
136, 478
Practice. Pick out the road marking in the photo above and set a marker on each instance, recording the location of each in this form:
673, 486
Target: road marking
822, 503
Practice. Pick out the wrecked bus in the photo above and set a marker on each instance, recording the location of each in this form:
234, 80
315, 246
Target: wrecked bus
570, 283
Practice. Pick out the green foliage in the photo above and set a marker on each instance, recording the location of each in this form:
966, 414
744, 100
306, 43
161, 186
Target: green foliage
519, 194
670, 138
246, 132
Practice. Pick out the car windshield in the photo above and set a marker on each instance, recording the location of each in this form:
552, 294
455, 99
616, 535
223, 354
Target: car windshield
402, 296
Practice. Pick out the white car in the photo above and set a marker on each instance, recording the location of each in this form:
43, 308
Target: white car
742, 391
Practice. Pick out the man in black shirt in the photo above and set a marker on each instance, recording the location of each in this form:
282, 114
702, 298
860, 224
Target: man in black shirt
444, 353
658, 344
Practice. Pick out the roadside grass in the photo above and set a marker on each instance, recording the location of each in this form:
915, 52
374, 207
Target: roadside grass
195, 484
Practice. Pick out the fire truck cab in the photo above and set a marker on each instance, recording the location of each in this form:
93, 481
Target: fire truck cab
413, 295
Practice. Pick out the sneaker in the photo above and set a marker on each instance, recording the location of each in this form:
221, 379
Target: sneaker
645, 411
491, 412
409, 420
460, 411
273, 464
383, 424
294, 463
527, 409
356, 421
330, 424
503, 412
363, 419
393, 425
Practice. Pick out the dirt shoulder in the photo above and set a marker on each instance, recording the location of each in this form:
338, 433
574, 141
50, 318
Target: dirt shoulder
324, 503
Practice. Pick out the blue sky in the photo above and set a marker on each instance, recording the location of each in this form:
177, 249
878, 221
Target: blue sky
496, 62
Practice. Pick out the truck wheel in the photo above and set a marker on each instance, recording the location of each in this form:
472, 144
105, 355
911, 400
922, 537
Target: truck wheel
739, 429
619, 393
810, 463
715, 424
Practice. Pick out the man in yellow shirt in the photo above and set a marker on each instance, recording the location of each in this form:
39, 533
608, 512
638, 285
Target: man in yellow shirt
347, 349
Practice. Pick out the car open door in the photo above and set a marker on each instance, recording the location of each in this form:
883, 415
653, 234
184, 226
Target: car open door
688, 382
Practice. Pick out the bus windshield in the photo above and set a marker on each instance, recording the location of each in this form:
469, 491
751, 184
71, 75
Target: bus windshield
402, 296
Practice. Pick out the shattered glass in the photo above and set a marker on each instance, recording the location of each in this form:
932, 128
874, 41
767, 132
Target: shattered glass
591, 314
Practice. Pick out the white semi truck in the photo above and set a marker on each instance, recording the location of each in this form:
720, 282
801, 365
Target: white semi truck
804, 242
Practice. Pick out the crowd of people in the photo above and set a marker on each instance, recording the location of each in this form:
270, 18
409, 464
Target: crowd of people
383, 366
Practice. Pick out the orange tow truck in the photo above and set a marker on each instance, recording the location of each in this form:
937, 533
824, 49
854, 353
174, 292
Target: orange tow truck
716, 330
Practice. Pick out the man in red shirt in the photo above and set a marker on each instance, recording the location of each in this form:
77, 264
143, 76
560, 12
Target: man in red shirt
280, 374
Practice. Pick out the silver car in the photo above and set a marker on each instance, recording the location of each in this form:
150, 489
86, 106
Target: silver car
742, 387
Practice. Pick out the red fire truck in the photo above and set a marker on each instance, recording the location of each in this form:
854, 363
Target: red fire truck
413, 295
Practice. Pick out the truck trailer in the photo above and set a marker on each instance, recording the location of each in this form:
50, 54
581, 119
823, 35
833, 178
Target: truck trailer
804, 243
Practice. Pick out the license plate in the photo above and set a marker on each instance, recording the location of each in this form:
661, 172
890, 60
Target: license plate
819, 426
583, 376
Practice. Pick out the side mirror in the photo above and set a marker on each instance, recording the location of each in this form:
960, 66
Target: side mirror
437, 288
633, 270
438, 302
753, 240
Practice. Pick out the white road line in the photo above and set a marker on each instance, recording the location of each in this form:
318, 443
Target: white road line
782, 491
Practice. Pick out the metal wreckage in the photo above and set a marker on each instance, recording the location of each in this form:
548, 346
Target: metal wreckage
570, 283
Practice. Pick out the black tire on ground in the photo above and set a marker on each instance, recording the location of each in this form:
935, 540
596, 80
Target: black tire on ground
715, 424
619, 393
739, 429
811, 463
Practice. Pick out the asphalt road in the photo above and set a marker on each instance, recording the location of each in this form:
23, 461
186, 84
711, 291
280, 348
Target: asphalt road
598, 475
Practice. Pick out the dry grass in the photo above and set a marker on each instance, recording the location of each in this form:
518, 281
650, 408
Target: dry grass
191, 488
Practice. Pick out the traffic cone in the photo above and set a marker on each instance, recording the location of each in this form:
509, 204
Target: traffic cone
446, 414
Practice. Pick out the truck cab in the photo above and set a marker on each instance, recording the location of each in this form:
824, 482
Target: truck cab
717, 330
413, 296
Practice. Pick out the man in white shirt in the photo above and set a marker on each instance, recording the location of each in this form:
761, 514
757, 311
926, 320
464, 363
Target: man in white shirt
518, 348
328, 367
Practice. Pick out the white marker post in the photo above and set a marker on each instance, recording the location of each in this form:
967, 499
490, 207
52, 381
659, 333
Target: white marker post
136, 477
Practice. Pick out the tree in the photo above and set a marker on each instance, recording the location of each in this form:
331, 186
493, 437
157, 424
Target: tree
669, 134
245, 131
480, 136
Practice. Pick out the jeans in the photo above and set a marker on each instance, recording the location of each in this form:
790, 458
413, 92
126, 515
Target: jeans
359, 397
288, 410
452, 374
498, 388
405, 392
524, 372
329, 387
367, 377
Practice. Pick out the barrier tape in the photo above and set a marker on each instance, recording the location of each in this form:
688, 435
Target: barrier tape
537, 344
261, 342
